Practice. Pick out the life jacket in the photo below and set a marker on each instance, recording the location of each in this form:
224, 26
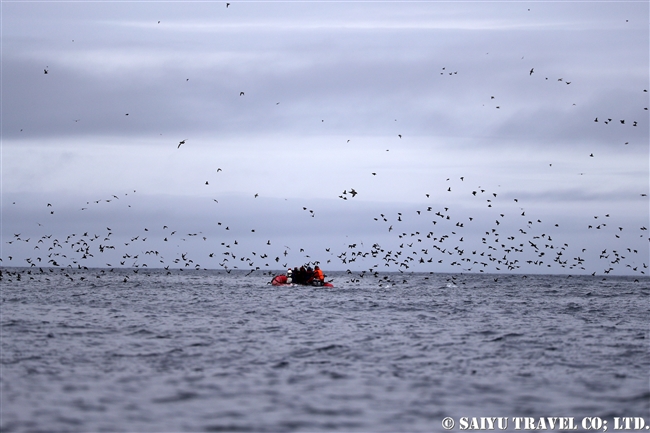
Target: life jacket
318, 275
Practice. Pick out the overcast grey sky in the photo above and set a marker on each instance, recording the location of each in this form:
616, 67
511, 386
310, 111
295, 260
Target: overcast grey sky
414, 105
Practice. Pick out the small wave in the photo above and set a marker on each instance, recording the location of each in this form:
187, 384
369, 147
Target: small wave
331, 348
141, 332
281, 364
16, 361
132, 355
507, 336
181, 396
573, 307
332, 412
200, 344
228, 428
642, 397
486, 332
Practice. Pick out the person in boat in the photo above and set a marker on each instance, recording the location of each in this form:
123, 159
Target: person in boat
296, 275
289, 276
318, 278
302, 273
309, 275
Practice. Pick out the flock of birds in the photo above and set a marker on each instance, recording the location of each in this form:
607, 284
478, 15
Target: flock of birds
435, 234
462, 242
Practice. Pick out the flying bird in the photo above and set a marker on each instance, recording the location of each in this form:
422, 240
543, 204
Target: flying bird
182, 142
531, 71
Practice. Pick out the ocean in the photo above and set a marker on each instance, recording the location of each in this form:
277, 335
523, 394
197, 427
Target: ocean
137, 350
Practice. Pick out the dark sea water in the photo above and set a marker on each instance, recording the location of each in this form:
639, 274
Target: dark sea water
211, 351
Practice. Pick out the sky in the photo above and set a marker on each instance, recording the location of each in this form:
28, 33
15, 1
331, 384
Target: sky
476, 136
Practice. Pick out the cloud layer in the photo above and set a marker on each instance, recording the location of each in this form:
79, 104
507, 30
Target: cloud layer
298, 102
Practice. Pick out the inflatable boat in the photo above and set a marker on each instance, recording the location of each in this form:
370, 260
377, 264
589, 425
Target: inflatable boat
281, 280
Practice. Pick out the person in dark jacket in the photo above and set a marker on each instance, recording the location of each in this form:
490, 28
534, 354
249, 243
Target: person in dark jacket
302, 272
309, 275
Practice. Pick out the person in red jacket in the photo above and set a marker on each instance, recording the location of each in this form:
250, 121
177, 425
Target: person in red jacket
318, 277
